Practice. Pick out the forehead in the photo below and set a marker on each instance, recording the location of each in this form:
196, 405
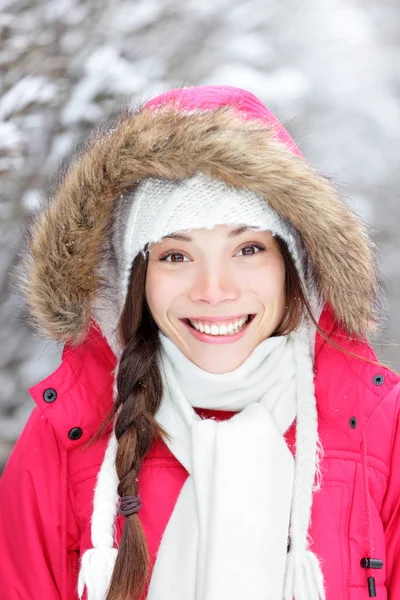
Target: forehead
222, 231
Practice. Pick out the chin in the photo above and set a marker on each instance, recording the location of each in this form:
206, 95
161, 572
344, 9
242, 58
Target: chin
219, 362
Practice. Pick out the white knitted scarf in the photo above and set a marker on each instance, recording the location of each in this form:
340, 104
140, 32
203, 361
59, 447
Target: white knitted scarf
227, 536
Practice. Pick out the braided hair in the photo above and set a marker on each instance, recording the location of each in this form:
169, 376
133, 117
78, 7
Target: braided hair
139, 395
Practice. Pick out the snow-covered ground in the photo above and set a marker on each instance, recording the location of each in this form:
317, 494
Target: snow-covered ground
329, 70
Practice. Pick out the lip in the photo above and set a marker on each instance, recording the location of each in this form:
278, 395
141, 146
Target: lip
217, 339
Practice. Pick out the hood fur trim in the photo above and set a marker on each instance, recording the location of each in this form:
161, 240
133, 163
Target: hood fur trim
59, 275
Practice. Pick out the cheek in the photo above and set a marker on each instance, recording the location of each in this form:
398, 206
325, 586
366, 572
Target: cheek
273, 300
162, 289
155, 299
268, 283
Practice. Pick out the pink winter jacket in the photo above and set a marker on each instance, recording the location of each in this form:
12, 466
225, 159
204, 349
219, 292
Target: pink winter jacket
46, 492
47, 488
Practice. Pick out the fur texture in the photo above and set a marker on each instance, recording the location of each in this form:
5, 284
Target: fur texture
59, 275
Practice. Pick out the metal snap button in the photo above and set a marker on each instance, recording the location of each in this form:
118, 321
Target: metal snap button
75, 433
353, 422
49, 395
378, 379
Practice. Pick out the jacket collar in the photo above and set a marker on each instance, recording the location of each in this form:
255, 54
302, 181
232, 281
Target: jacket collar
81, 389
347, 387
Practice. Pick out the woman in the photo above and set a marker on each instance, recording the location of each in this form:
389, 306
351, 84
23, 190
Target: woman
206, 278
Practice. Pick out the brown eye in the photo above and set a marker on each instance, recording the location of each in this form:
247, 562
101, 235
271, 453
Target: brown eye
250, 250
177, 257
174, 257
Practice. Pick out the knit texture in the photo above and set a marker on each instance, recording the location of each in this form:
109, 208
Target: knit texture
98, 563
245, 457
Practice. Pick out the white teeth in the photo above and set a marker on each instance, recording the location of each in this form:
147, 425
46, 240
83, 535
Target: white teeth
224, 329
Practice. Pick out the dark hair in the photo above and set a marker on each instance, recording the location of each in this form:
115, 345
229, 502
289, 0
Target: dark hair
139, 396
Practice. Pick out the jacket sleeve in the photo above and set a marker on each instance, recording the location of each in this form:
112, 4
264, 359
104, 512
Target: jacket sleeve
36, 538
391, 515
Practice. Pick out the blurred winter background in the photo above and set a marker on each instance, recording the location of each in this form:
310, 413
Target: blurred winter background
329, 70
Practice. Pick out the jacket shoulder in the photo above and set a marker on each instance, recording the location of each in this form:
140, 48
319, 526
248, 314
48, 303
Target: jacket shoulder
78, 396
37, 445
356, 395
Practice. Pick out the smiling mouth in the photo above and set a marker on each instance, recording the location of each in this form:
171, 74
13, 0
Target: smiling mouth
222, 328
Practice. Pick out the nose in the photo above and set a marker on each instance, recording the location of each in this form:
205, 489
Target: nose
214, 284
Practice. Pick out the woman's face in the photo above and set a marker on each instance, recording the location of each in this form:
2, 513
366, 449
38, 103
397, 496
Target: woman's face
217, 293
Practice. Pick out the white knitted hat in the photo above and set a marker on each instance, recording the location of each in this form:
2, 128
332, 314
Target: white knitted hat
163, 207
155, 209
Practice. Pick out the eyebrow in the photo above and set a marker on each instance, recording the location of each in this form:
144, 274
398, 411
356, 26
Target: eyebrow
186, 238
238, 231
176, 236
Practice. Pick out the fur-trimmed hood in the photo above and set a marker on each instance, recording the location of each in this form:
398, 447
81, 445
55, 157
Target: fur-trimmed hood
225, 133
